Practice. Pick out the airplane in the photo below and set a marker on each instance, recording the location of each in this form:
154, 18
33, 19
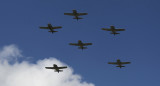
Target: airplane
51, 28
56, 68
81, 44
75, 14
119, 63
113, 29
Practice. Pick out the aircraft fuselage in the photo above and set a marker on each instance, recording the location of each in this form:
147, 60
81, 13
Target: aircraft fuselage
75, 13
50, 27
80, 43
56, 68
113, 30
119, 62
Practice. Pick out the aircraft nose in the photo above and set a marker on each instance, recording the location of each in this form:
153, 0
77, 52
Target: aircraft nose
54, 64
118, 59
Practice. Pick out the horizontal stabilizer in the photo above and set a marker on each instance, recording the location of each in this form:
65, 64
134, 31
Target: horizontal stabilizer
115, 33
52, 31
77, 18
58, 71
120, 66
82, 47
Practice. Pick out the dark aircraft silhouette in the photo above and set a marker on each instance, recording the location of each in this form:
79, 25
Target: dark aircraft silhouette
76, 15
119, 63
81, 44
113, 29
51, 28
56, 68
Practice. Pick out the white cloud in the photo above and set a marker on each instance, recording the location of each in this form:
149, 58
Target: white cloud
10, 53
29, 74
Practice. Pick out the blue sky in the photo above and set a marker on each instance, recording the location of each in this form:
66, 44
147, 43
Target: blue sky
20, 21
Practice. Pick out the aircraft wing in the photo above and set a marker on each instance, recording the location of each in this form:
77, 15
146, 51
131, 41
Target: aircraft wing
85, 44
70, 14
61, 67
120, 29
80, 14
125, 62
112, 63
106, 29
44, 27
73, 44
58, 27
49, 67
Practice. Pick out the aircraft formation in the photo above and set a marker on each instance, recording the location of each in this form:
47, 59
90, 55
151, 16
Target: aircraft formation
80, 44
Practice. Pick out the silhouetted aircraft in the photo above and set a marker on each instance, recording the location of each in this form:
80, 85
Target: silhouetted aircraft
56, 68
119, 63
51, 28
113, 29
76, 15
81, 44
